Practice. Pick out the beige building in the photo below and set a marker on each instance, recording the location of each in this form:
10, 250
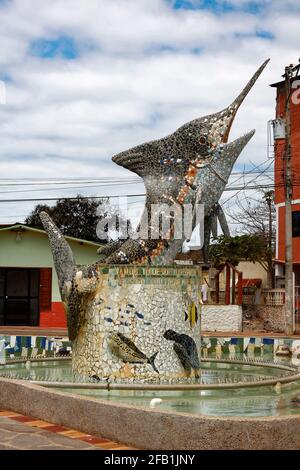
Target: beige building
29, 294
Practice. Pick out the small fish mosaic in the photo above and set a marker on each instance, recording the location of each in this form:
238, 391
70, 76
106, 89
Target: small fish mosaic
126, 350
124, 316
191, 315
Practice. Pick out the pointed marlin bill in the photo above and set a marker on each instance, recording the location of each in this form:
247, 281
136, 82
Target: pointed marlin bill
170, 168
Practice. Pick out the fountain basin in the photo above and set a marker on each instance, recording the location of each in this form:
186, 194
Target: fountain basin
207, 418
237, 387
148, 428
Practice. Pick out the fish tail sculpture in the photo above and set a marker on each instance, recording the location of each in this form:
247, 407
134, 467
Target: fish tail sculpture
173, 169
76, 284
151, 362
62, 254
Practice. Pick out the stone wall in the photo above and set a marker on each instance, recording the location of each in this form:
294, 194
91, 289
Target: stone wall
145, 428
272, 318
221, 318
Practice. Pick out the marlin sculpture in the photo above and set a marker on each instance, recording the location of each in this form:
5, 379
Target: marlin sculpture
194, 159
192, 165
214, 178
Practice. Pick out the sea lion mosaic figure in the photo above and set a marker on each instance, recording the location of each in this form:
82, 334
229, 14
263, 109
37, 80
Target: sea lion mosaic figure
186, 351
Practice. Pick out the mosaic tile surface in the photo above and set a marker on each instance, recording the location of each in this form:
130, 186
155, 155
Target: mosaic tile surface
32, 347
209, 345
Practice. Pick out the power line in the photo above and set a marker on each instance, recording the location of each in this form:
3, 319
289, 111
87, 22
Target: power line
74, 198
248, 186
7, 182
64, 189
63, 182
238, 188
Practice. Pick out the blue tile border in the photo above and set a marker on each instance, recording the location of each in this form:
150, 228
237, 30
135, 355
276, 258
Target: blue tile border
45, 345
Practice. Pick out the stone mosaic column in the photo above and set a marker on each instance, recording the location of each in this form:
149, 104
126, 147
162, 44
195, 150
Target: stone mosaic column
122, 333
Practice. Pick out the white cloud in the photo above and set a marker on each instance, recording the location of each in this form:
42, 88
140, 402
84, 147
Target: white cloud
137, 77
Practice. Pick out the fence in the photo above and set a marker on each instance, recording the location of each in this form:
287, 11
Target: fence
274, 296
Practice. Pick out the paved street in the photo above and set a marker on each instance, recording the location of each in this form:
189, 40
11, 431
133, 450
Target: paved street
18, 432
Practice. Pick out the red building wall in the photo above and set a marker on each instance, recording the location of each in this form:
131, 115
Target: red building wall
279, 170
55, 317
281, 236
52, 314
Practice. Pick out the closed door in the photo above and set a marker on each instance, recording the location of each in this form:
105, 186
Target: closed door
19, 297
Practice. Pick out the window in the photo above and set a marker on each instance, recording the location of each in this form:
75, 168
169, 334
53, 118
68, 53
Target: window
296, 223
19, 296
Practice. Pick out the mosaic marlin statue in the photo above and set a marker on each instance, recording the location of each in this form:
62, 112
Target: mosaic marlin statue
192, 164
174, 170
215, 177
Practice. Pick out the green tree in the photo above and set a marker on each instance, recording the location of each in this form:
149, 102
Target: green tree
258, 217
235, 249
78, 217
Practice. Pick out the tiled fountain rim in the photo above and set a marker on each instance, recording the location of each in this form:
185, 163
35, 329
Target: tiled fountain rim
209, 340
294, 375
120, 406
150, 428
54, 333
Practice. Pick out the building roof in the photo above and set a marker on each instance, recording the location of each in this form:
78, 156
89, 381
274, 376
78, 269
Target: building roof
255, 282
5, 225
282, 82
25, 227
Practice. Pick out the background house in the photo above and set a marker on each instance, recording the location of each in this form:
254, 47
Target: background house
279, 149
29, 294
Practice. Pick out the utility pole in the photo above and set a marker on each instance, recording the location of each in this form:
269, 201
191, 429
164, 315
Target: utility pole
289, 288
269, 198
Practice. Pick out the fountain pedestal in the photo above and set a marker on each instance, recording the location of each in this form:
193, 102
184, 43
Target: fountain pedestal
139, 304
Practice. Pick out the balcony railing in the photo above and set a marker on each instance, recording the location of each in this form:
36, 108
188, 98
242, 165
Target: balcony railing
274, 296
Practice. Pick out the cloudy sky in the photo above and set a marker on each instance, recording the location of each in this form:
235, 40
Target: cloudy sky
87, 79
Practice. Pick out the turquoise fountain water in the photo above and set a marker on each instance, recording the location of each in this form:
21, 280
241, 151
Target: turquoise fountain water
254, 400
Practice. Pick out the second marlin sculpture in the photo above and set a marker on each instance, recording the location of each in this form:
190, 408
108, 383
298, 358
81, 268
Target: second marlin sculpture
191, 166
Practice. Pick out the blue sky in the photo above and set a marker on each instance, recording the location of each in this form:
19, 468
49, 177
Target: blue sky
219, 7
62, 46
85, 80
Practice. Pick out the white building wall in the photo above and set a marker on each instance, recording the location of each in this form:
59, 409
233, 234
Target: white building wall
222, 318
